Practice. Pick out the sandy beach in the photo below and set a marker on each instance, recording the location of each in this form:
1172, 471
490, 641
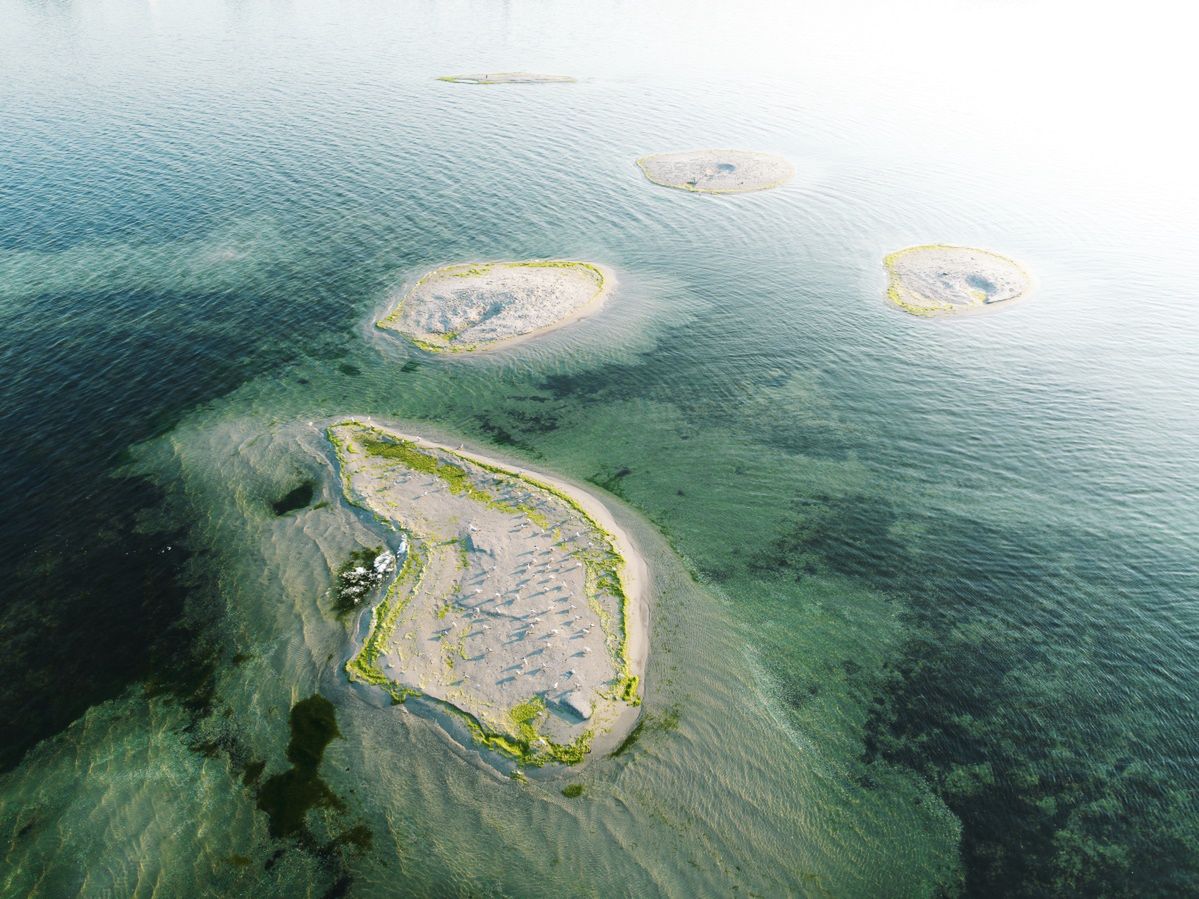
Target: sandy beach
478, 306
717, 171
516, 600
939, 280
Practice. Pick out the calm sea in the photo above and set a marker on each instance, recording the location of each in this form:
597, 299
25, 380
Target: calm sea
926, 596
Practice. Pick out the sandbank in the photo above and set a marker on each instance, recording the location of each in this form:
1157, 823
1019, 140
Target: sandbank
717, 171
507, 78
515, 601
477, 306
938, 280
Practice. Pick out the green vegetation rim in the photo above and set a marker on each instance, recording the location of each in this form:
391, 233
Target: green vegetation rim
925, 310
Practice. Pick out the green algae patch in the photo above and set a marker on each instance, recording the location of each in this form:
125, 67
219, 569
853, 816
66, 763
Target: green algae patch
627, 689
529, 747
512, 605
572, 791
939, 280
477, 306
525, 715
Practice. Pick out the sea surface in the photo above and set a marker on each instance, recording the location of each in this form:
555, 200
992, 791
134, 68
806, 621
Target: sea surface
925, 612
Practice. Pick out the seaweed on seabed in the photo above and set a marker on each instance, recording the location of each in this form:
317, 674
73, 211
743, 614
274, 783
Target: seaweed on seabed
289, 796
298, 498
664, 722
630, 741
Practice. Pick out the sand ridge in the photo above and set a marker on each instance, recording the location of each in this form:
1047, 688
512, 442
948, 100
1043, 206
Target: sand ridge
507, 78
517, 604
717, 171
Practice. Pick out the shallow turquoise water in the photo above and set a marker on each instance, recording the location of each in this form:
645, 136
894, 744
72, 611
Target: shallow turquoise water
925, 617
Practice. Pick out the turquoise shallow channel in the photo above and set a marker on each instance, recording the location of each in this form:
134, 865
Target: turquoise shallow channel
925, 599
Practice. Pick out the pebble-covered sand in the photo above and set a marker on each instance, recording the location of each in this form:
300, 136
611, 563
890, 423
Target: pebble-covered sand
717, 171
518, 601
477, 306
940, 280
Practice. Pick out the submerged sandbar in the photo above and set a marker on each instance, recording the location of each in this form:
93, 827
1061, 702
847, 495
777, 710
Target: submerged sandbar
937, 279
477, 306
517, 604
507, 78
717, 171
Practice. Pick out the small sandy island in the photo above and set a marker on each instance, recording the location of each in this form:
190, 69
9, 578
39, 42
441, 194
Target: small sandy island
515, 600
478, 306
939, 280
507, 78
717, 171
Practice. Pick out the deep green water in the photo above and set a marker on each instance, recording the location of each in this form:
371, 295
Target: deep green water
925, 614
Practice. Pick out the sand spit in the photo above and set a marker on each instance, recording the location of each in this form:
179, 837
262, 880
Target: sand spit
507, 78
478, 306
939, 280
717, 171
517, 601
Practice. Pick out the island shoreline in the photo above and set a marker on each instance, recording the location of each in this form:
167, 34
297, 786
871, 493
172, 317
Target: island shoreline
391, 309
635, 577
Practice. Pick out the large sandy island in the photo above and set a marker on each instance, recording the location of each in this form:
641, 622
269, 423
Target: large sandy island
517, 602
717, 171
507, 78
939, 280
477, 306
